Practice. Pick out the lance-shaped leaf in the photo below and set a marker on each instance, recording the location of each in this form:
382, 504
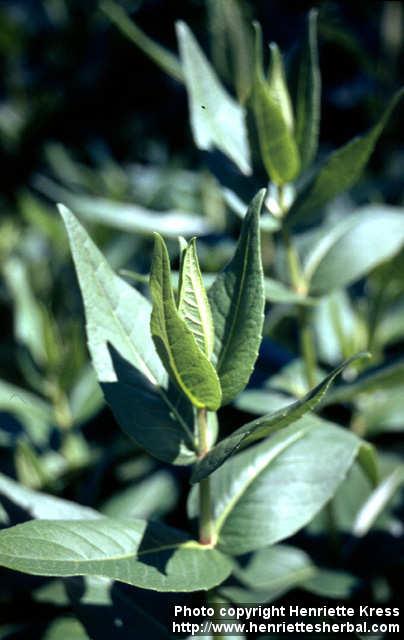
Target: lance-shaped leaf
340, 170
263, 427
377, 501
42, 505
268, 492
186, 364
277, 85
308, 96
237, 302
131, 374
347, 250
275, 570
216, 118
125, 216
27, 312
273, 115
34, 413
146, 555
193, 304
380, 379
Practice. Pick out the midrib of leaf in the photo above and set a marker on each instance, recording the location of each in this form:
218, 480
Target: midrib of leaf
189, 544
265, 462
132, 349
194, 298
239, 296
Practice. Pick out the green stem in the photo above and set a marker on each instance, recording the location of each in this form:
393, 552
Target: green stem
307, 346
206, 527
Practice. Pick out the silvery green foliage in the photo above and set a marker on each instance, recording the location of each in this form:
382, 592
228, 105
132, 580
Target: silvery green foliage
168, 358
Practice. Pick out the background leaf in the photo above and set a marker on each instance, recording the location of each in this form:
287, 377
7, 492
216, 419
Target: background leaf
126, 216
377, 501
346, 251
308, 96
340, 171
275, 130
216, 119
31, 410
41, 505
27, 312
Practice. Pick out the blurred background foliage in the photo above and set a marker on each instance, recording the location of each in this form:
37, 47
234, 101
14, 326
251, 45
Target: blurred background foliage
88, 119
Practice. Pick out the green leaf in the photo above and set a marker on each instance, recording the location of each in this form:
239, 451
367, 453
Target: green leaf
346, 251
353, 494
263, 427
31, 410
308, 96
152, 497
85, 396
261, 401
268, 222
216, 118
372, 380
128, 217
146, 555
131, 374
41, 505
377, 501
271, 490
161, 56
276, 291
65, 627
277, 85
338, 327
331, 584
277, 568
28, 466
341, 170
231, 44
237, 302
27, 313
187, 365
368, 461
381, 412
273, 116
193, 304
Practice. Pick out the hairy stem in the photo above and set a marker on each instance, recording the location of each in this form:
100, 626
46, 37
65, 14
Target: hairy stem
206, 528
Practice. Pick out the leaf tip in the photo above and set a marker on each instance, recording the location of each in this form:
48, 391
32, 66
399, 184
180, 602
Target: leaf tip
63, 210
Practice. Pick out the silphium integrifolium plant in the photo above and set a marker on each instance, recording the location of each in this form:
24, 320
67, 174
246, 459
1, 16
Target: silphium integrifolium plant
165, 368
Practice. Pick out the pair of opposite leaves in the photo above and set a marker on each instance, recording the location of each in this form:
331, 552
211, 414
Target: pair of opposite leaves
200, 328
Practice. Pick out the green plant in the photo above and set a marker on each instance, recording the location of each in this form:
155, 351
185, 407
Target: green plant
166, 367
173, 418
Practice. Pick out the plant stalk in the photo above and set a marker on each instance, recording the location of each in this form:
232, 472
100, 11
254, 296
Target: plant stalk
307, 347
206, 527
